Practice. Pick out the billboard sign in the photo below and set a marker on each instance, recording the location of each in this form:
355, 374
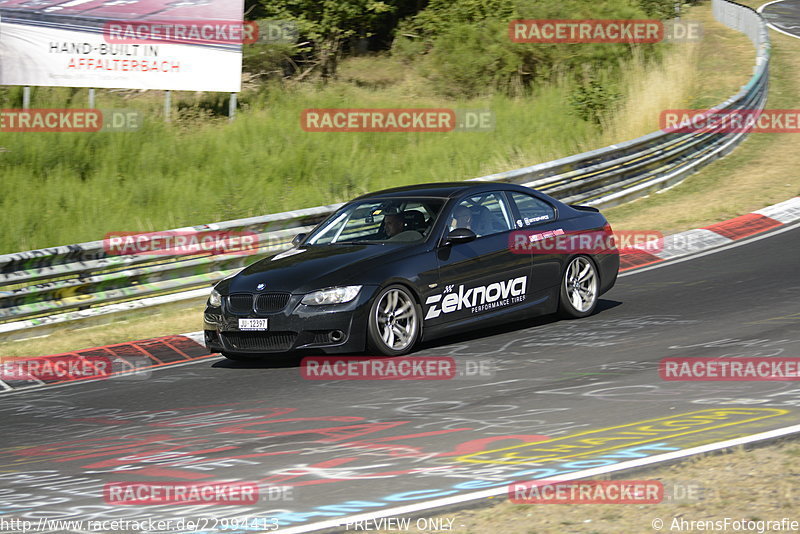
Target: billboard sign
193, 45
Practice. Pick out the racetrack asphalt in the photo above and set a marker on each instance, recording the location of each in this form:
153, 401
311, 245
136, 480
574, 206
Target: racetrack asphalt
783, 16
330, 449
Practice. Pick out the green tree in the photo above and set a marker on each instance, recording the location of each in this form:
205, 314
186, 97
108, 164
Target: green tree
463, 46
324, 25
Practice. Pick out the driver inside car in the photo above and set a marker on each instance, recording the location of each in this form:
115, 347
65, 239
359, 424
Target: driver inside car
393, 224
462, 218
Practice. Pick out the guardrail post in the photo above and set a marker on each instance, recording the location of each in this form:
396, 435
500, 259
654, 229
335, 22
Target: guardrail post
26, 97
167, 106
232, 107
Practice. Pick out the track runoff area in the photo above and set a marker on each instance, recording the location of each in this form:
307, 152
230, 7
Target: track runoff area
177, 435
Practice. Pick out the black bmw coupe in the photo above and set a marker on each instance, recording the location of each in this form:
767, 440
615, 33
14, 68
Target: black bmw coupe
401, 265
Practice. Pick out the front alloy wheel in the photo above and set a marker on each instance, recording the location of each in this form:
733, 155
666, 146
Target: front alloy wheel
578, 288
393, 322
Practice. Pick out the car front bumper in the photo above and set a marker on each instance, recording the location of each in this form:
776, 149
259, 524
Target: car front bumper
333, 329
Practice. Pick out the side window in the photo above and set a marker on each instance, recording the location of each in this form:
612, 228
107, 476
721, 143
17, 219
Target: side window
484, 214
532, 210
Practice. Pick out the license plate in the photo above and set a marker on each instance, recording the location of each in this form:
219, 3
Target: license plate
252, 324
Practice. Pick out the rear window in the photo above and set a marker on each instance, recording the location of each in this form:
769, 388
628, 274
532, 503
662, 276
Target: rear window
532, 210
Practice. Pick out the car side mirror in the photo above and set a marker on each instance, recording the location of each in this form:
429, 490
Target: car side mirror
296, 240
460, 235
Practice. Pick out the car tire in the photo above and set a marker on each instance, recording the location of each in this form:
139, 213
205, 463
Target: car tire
394, 322
579, 286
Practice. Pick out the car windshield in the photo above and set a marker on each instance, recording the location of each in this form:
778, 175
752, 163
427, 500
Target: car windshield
395, 220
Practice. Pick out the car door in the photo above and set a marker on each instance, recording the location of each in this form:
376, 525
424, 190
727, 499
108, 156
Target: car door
535, 218
483, 276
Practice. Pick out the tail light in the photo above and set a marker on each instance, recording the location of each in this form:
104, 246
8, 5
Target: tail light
609, 232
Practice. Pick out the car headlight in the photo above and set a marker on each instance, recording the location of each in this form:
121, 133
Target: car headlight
215, 299
331, 295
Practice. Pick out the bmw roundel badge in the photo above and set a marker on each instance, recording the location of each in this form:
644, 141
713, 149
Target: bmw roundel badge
261, 286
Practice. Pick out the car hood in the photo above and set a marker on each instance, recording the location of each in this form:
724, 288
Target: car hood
301, 270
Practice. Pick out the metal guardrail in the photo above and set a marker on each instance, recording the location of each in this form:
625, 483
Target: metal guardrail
75, 282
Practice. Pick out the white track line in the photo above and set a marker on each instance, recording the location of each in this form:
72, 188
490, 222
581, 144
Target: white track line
769, 24
503, 490
744, 241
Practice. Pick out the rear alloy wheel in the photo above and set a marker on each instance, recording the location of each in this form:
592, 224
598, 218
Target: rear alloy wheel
393, 322
578, 288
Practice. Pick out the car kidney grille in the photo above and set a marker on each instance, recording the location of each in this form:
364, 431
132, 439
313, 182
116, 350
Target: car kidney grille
271, 302
274, 341
241, 302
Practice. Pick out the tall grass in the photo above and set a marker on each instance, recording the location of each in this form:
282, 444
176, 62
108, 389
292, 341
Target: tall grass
59, 188
649, 88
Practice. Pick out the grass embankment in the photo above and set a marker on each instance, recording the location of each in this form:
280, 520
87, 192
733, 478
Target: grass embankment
760, 172
519, 141
128, 326
61, 188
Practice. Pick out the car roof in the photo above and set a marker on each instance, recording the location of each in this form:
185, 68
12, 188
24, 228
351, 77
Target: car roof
441, 189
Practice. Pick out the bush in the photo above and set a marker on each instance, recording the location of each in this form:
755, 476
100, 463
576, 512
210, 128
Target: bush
592, 100
466, 50
662, 9
408, 48
268, 61
468, 61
